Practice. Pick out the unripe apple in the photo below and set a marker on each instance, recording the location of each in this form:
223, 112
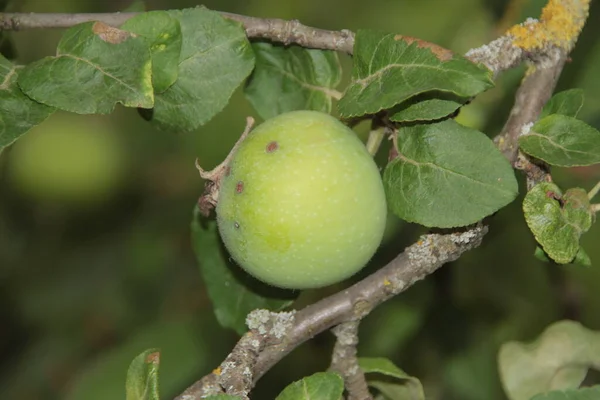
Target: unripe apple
302, 204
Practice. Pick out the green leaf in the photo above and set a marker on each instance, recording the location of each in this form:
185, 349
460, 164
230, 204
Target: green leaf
389, 69
558, 359
187, 346
18, 113
426, 110
142, 376
447, 175
409, 388
321, 386
562, 141
233, 292
588, 393
581, 258
163, 37
288, 78
567, 102
95, 67
215, 59
557, 221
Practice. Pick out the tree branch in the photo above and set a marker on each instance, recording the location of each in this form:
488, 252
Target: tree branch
547, 43
276, 30
344, 361
354, 303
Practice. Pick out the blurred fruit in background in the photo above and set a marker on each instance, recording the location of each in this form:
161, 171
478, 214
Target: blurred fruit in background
71, 159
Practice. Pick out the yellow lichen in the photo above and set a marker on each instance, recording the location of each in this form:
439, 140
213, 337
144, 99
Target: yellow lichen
559, 25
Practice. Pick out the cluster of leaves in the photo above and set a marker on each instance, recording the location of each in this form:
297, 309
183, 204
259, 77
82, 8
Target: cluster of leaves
180, 68
558, 219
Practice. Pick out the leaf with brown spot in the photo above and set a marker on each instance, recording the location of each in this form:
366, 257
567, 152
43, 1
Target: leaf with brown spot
110, 34
440, 52
94, 69
142, 376
389, 69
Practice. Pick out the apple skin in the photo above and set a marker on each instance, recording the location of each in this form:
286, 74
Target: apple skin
302, 205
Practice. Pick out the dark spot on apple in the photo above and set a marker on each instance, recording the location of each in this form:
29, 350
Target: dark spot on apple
271, 147
227, 170
239, 188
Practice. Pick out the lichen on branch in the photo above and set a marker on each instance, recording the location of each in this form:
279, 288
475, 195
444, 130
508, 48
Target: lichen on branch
559, 25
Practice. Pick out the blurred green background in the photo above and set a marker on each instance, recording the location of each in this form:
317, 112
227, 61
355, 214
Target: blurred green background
95, 256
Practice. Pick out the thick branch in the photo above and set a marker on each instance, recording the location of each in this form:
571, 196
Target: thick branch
276, 30
414, 264
345, 362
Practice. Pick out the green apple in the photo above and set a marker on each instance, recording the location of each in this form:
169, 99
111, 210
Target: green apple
69, 159
302, 204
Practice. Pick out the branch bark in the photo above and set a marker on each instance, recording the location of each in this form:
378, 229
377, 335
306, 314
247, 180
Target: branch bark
345, 362
276, 30
415, 263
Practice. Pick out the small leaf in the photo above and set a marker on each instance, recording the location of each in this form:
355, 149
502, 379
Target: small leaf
558, 359
447, 175
96, 67
18, 113
557, 221
541, 255
409, 388
288, 78
588, 393
567, 102
389, 69
215, 59
582, 258
321, 386
163, 37
562, 141
142, 376
426, 110
233, 292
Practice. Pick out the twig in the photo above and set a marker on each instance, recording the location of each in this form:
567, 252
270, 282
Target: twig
345, 363
592, 193
277, 30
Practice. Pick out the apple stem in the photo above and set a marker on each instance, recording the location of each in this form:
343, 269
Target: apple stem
209, 199
594, 191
